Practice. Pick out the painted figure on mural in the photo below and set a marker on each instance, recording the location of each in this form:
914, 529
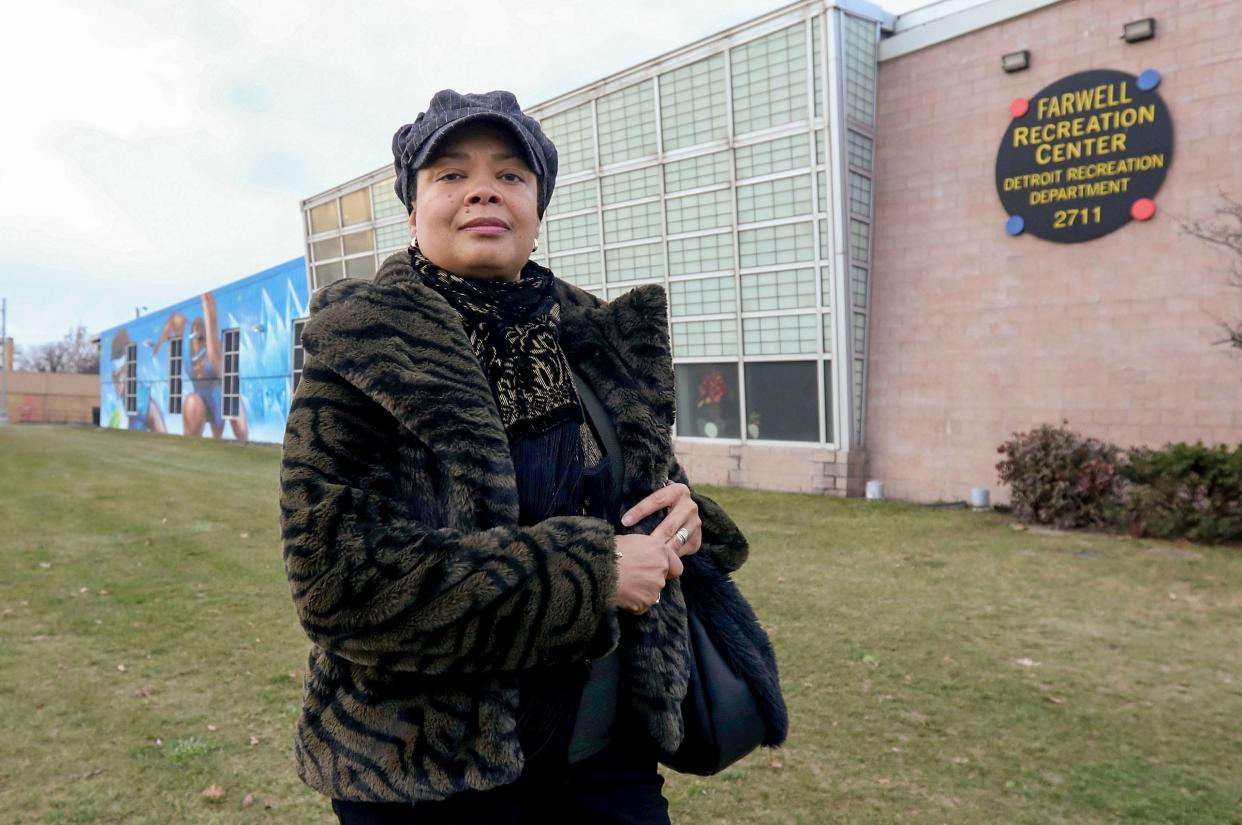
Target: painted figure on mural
203, 402
146, 414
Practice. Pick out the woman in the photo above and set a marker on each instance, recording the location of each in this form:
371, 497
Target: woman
498, 630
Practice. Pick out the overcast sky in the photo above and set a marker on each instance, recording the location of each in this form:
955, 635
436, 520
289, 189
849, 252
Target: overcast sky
154, 150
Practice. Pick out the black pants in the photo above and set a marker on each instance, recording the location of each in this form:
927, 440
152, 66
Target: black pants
619, 786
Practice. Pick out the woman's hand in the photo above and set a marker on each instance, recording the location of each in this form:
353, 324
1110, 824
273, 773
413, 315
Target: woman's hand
683, 513
644, 564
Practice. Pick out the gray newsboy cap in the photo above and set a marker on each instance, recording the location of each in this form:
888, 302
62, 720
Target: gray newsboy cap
414, 142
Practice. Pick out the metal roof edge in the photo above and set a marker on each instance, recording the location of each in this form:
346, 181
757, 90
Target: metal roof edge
950, 19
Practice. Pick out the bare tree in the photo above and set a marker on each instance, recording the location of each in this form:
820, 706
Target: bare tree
1224, 229
73, 353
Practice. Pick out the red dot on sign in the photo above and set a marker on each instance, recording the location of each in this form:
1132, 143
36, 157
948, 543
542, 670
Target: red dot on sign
1142, 209
1019, 107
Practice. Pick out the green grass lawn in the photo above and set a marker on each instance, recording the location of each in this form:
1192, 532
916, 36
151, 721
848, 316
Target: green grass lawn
940, 667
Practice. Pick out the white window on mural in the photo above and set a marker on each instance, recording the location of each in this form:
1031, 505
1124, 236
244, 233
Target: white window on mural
174, 376
131, 378
232, 377
299, 354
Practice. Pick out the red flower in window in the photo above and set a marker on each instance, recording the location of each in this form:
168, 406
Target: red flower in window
712, 389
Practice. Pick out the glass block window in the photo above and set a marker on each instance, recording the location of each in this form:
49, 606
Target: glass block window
793, 152
573, 197
775, 245
782, 198
860, 242
324, 217
363, 267
630, 223
829, 432
822, 191
706, 210
858, 278
327, 273
574, 136
861, 45
860, 195
384, 202
769, 80
817, 59
131, 379
827, 324
707, 400
575, 232
393, 236
825, 241
692, 104
860, 333
579, 269
691, 173
703, 296
231, 395
299, 354
356, 207
325, 249
821, 148
860, 150
358, 242
626, 124
781, 335
782, 401
857, 383
706, 253
630, 186
174, 375
633, 263
698, 338
787, 289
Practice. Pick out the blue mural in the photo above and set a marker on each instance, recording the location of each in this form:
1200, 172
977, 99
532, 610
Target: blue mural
218, 365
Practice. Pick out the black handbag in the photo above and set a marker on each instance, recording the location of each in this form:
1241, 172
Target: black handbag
733, 703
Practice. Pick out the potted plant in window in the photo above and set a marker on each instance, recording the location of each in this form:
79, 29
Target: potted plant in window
712, 390
752, 425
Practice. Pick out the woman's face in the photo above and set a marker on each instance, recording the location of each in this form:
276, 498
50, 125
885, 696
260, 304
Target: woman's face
476, 205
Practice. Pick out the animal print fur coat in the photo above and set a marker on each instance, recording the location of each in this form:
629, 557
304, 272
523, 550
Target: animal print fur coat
422, 596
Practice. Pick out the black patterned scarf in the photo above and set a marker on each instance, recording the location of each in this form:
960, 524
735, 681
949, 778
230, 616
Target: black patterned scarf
514, 328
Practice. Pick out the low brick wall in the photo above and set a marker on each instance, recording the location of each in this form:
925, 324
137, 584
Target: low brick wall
51, 397
787, 469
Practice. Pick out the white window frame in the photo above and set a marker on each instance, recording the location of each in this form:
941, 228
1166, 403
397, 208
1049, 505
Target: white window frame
131, 379
174, 375
299, 324
231, 389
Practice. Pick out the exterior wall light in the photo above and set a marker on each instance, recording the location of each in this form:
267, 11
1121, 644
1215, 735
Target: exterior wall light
1137, 30
1016, 61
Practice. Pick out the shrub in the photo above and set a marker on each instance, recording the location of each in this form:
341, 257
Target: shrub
1185, 490
1060, 478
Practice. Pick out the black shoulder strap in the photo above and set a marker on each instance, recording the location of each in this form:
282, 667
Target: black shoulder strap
601, 422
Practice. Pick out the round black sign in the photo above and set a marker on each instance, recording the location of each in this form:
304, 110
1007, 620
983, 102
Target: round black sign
1085, 156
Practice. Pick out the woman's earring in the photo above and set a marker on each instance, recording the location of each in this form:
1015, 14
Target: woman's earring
414, 242
536, 247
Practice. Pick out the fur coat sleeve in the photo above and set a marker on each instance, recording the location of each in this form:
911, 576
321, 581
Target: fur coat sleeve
379, 579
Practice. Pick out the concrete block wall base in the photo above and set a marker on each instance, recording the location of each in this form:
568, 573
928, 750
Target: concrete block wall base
785, 469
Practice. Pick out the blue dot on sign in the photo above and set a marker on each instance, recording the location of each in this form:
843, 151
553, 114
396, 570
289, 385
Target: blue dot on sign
1149, 80
1015, 225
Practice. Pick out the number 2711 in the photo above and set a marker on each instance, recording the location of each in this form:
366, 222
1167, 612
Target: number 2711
1063, 218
